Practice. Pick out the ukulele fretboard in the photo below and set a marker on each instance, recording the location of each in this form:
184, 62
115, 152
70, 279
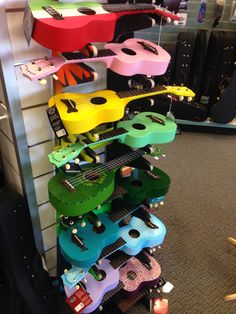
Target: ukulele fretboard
119, 191
136, 92
79, 55
113, 292
127, 7
121, 213
112, 248
112, 133
118, 259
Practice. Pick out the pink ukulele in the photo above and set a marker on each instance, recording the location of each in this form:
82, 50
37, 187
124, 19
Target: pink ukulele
134, 56
135, 275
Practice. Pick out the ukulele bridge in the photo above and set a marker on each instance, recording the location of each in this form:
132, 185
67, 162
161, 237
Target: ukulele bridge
53, 12
68, 185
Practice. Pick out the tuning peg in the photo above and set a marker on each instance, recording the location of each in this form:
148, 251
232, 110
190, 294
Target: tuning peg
154, 250
156, 157
181, 98
99, 262
76, 161
43, 82
77, 287
65, 270
163, 155
97, 159
100, 307
168, 20
98, 224
161, 203
156, 205
67, 166
153, 21
176, 22
56, 78
190, 99
85, 280
74, 231
83, 224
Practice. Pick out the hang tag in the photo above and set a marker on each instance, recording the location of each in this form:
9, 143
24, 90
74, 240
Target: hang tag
79, 300
28, 24
56, 122
202, 11
167, 287
160, 306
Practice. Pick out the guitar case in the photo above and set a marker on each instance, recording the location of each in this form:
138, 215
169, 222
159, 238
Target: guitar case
198, 61
225, 109
184, 54
24, 285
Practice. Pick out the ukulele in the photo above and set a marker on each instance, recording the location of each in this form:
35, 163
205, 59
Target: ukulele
135, 275
83, 112
131, 239
63, 26
144, 129
74, 194
134, 56
82, 245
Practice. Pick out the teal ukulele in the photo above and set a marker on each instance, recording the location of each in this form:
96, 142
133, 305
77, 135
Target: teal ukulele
145, 128
75, 194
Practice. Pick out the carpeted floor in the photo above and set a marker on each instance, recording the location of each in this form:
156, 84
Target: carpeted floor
199, 213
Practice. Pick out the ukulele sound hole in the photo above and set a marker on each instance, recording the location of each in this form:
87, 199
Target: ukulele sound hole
136, 183
138, 126
103, 275
131, 275
92, 177
98, 100
86, 11
133, 233
128, 51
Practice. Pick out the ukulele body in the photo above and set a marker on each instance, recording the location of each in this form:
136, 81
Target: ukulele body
138, 235
93, 241
140, 186
134, 275
89, 111
88, 194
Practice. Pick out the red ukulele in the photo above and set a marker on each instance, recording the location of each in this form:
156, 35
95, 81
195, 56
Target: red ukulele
67, 27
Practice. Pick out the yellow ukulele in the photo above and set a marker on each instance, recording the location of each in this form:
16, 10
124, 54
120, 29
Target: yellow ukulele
81, 113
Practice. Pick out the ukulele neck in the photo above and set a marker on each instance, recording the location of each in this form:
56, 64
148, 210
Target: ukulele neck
141, 93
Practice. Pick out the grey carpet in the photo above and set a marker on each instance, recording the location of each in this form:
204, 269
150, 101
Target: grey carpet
199, 213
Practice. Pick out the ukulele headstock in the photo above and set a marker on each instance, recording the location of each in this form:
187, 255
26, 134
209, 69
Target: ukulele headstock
40, 68
181, 91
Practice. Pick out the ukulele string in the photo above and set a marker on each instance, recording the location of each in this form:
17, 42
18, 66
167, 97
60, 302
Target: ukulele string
100, 169
115, 161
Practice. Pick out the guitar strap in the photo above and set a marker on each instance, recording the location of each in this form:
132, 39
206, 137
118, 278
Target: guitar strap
184, 53
225, 109
219, 9
26, 281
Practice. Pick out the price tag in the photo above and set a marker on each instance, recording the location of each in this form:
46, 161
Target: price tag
28, 24
79, 300
56, 122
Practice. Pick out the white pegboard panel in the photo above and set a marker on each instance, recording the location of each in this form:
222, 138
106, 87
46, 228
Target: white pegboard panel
51, 258
20, 49
37, 125
39, 158
41, 188
32, 93
49, 237
47, 215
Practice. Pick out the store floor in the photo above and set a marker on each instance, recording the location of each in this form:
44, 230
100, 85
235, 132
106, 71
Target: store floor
199, 213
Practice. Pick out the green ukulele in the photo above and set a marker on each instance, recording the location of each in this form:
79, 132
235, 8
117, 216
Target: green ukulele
75, 194
145, 128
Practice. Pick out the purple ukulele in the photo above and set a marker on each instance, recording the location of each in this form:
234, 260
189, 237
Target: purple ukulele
134, 56
97, 288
